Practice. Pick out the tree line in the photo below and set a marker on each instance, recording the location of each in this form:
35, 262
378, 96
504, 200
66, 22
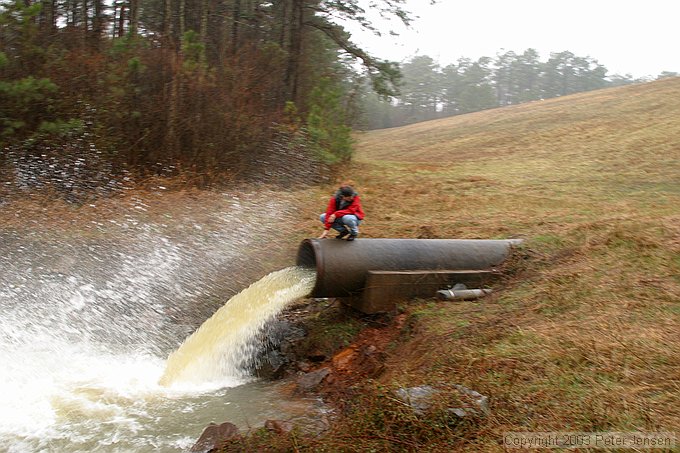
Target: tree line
222, 89
204, 86
430, 91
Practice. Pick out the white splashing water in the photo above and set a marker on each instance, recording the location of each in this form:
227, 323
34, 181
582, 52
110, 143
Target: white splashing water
223, 345
87, 321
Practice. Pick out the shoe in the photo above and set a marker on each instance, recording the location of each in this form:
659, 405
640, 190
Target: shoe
352, 237
342, 235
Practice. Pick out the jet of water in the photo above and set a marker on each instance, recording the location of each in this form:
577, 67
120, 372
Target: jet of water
224, 345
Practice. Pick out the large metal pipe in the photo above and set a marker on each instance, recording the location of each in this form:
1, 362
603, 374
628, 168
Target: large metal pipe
342, 266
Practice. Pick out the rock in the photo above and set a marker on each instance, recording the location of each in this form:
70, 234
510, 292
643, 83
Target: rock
311, 380
214, 436
272, 365
343, 359
419, 398
330, 379
278, 426
284, 331
480, 401
458, 412
272, 362
304, 366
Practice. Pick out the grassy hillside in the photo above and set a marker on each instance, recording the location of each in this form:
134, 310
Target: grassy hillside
585, 334
533, 168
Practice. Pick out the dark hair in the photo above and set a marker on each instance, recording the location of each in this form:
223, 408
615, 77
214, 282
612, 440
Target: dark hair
347, 191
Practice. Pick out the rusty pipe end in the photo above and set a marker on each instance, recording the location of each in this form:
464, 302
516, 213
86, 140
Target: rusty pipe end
310, 256
341, 267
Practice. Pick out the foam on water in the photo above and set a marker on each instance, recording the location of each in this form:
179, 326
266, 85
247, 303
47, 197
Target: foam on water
78, 396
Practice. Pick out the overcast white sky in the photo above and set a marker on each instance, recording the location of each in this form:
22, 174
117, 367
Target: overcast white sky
635, 37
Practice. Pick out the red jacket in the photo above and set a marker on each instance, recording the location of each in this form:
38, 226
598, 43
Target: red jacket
353, 208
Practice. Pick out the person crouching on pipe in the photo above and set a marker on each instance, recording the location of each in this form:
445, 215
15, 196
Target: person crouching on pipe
343, 214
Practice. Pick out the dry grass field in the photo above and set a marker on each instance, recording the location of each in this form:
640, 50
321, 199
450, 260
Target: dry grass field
585, 333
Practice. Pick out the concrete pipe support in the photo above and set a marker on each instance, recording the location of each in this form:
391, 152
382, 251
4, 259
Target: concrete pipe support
342, 267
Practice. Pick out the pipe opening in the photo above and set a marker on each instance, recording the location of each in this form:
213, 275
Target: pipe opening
306, 256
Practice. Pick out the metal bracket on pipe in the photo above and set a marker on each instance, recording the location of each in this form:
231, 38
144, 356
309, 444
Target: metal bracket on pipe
462, 294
